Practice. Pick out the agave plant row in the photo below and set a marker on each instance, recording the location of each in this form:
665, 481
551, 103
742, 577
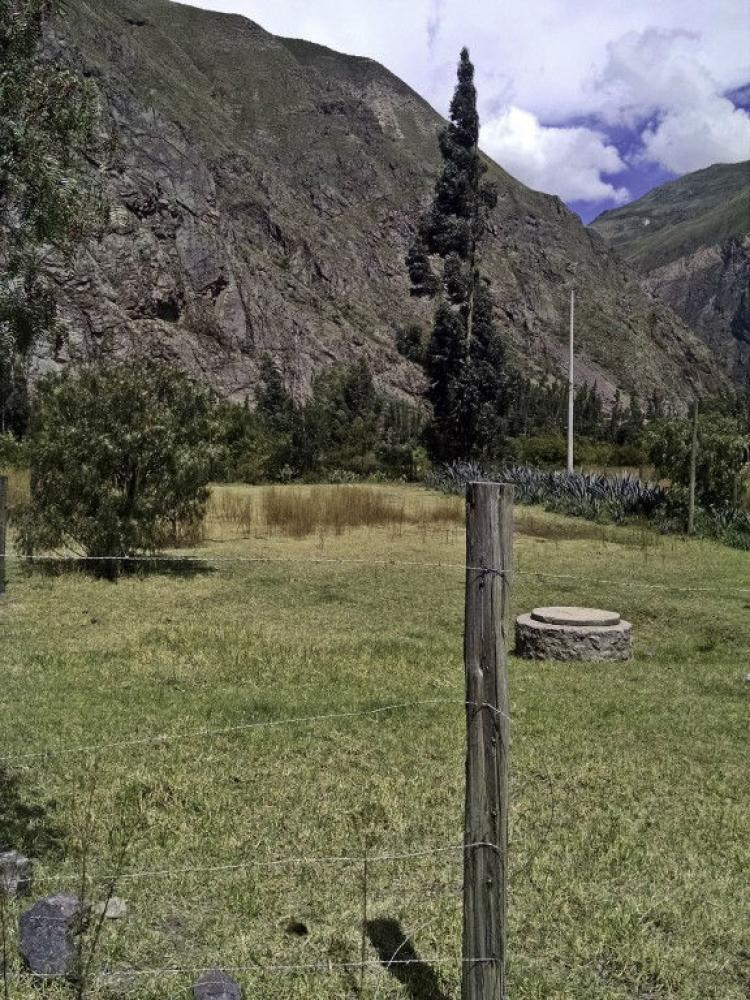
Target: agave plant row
582, 494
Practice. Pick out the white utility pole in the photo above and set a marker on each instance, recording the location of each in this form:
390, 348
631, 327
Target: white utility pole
571, 387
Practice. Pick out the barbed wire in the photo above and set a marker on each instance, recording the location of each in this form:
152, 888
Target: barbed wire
303, 860
342, 560
314, 967
191, 560
163, 738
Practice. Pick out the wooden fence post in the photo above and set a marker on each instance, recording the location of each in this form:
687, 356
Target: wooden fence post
3, 519
693, 463
489, 554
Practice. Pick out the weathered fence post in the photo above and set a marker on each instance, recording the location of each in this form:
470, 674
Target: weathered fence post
489, 554
693, 463
3, 518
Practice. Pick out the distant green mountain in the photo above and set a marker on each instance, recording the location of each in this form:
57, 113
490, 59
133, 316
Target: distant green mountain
699, 209
263, 192
690, 239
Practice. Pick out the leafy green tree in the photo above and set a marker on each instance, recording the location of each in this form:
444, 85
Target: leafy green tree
588, 411
722, 452
120, 459
273, 402
399, 450
258, 442
249, 450
340, 425
633, 424
464, 359
346, 425
615, 418
48, 117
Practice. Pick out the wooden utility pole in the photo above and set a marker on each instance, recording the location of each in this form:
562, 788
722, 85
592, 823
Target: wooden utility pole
489, 554
693, 463
3, 519
571, 387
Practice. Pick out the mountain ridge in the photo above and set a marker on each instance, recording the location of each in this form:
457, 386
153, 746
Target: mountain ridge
690, 239
263, 192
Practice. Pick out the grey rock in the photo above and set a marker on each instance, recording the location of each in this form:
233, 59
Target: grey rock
15, 874
217, 985
113, 909
747, 678
537, 640
47, 934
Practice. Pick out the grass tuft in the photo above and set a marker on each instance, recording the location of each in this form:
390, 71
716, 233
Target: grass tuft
302, 511
298, 513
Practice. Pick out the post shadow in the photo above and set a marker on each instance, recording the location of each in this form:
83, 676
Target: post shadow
115, 569
392, 944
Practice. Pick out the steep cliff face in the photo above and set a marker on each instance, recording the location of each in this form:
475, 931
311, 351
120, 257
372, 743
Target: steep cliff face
710, 290
691, 241
262, 193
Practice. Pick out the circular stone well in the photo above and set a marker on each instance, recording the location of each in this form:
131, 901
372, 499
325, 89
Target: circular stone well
584, 634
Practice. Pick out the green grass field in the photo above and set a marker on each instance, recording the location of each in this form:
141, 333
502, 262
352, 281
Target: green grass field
630, 831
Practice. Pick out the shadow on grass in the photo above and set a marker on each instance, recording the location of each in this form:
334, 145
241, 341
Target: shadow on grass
116, 569
25, 825
393, 945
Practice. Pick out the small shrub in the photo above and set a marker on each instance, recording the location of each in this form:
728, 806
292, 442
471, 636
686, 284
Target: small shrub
720, 457
546, 449
552, 450
120, 460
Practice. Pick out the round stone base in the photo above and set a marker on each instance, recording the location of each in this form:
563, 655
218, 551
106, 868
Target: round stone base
542, 635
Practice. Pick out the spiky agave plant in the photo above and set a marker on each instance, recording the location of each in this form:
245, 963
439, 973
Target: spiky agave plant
568, 492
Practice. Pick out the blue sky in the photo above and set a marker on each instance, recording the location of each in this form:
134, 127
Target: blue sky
594, 100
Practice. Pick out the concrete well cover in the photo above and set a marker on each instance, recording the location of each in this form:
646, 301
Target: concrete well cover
575, 616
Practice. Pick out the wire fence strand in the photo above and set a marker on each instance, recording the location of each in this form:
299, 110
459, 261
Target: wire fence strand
385, 563
163, 738
302, 860
326, 967
203, 733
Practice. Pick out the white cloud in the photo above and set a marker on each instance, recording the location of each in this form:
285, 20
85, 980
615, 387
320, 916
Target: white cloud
569, 162
651, 70
663, 75
691, 138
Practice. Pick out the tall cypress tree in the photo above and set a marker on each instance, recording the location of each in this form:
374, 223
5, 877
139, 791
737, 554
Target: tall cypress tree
464, 359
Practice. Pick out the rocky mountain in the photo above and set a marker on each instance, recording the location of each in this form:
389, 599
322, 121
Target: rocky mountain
691, 241
262, 192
